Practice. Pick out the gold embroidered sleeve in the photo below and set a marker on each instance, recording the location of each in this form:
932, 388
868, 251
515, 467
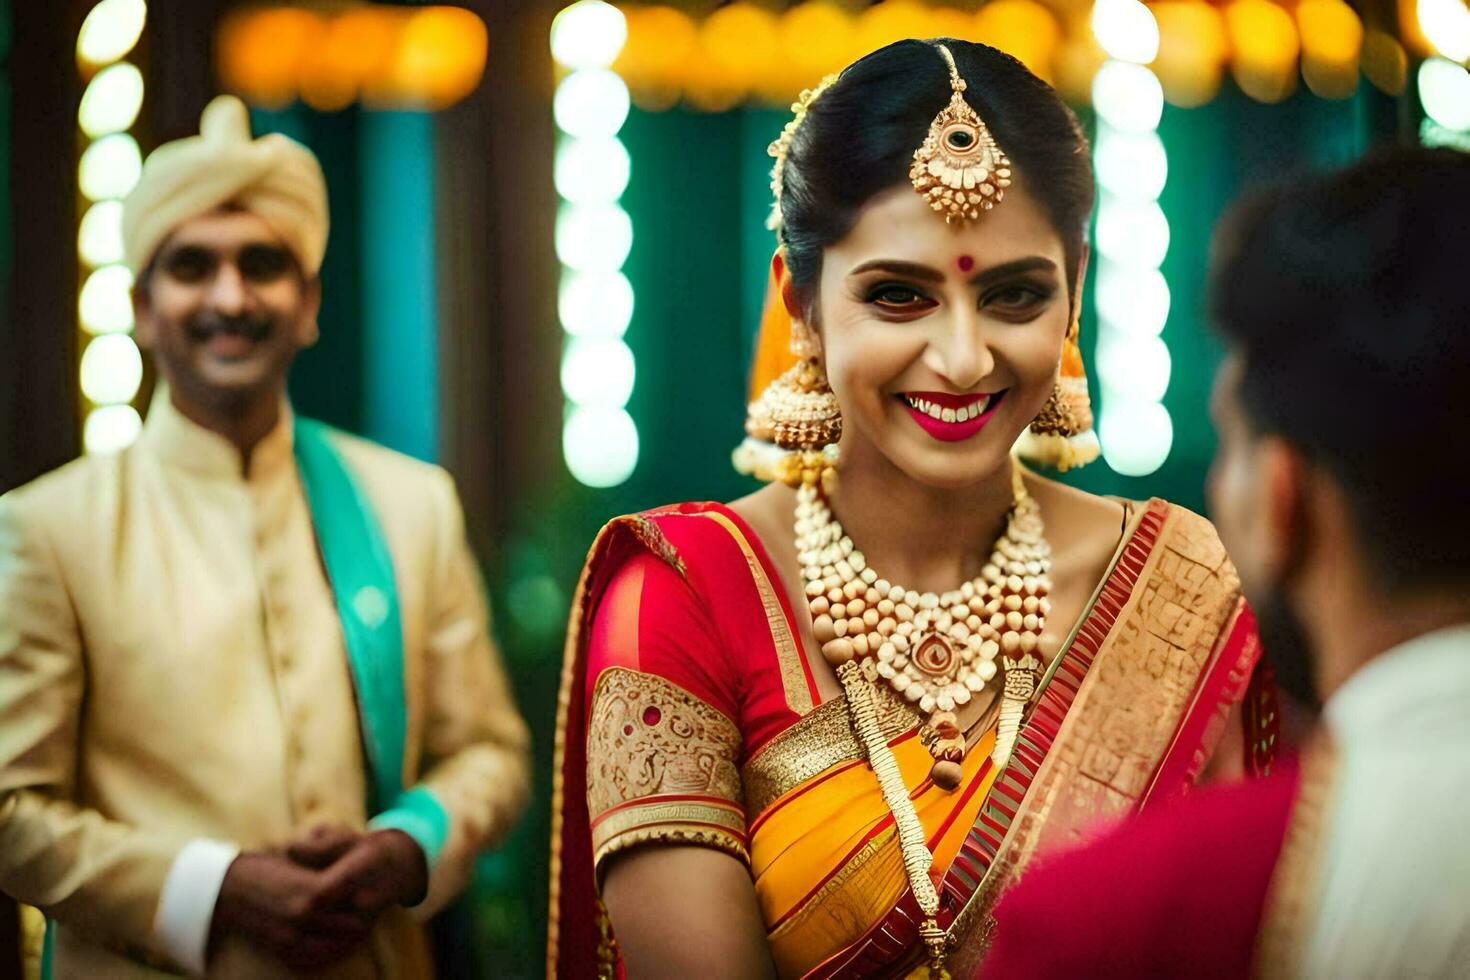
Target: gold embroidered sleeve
661, 766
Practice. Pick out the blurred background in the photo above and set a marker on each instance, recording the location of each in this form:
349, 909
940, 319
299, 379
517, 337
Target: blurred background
548, 252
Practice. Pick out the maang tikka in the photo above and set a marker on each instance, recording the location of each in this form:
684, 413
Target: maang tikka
959, 168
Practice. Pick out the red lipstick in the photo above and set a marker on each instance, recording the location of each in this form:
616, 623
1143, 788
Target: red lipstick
951, 418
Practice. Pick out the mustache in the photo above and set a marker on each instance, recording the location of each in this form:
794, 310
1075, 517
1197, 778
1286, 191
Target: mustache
207, 325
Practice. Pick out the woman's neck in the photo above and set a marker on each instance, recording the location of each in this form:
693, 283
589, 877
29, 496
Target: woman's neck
924, 538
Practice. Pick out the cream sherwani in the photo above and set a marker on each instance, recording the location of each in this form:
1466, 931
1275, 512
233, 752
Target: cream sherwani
173, 681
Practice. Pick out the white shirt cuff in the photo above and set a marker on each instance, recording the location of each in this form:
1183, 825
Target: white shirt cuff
186, 905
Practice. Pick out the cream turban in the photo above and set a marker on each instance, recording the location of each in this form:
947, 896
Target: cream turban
274, 177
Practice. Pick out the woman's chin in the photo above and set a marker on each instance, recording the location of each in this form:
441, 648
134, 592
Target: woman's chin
952, 467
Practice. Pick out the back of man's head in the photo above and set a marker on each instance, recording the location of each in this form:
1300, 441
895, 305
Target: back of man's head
1347, 300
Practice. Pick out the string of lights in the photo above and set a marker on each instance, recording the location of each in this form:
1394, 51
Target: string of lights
111, 365
1133, 361
594, 235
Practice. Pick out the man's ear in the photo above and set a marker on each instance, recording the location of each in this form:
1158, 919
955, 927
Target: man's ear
1287, 523
143, 332
311, 330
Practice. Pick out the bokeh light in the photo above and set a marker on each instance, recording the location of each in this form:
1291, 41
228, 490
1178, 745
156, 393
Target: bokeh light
1267, 49
595, 304
592, 171
1332, 37
1130, 299
111, 30
1136, 436
1126, 30
99, 237
1132, 233
112, 369
1446, 26
110, 167
261, 52
111, 101
588, 34
593, 237
440, 58
1131, 165
1444, 89
1128, 97
597, 373
661, 41
591, 103
1192, 51
105, 304
740, 44
1134, 367
111, 428
1024, 29
816, 38
600, 446
1385, 63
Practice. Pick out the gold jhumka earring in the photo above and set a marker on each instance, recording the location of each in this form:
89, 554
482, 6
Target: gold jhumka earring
1062, 436
799, 414
793, 422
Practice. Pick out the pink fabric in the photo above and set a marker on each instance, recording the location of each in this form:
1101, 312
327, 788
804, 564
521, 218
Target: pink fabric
1178, 892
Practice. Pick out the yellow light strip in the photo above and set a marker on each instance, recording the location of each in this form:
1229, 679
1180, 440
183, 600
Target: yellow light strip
386, 57
743, 51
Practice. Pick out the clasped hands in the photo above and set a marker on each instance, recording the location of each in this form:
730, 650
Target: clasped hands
314, 901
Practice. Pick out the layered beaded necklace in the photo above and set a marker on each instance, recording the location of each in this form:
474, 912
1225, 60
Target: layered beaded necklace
935, 650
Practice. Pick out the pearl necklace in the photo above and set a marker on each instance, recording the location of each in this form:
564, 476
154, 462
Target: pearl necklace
936, 650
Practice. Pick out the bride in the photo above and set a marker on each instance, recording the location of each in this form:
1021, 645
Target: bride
816, 731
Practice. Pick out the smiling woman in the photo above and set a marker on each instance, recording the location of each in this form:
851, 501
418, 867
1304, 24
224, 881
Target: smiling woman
817, 731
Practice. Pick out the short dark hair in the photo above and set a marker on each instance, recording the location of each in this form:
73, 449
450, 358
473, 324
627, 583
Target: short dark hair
859, 139
1347, 298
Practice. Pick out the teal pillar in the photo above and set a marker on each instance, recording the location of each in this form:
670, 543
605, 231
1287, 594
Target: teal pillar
397, 265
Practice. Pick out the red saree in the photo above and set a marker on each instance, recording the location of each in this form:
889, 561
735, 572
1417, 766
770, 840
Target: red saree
689, 714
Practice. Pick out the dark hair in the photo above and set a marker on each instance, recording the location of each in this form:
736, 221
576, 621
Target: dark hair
1345, 297
859, 138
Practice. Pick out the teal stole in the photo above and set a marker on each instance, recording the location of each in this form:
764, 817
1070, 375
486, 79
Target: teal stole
360, 571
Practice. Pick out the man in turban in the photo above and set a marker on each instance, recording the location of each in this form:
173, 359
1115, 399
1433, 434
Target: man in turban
251, 719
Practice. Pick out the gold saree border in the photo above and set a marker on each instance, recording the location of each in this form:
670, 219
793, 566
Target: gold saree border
819, 741
645, 531
708, 823
658, 754
795, 678
1183, 593
1291, 895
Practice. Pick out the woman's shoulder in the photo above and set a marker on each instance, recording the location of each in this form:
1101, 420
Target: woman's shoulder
1091, 515
702, 541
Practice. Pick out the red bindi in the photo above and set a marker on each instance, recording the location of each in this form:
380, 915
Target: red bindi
966, 263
